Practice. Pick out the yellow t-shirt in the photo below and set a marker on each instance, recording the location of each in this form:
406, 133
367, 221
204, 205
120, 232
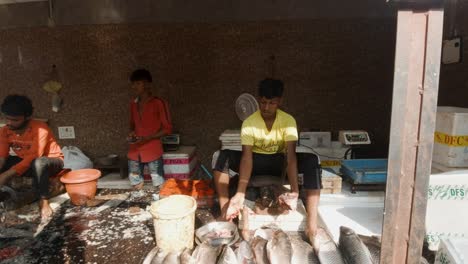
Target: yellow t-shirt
255, 133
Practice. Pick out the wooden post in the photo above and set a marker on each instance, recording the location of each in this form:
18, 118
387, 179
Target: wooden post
415, 89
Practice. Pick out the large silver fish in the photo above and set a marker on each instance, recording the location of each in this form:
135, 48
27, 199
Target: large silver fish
302, 251
151, 255
353, 249
227, 256
244, 253
171, 258
205, 253
186, 257
159, 257
259, 249
279, 249
374, 245
328, 251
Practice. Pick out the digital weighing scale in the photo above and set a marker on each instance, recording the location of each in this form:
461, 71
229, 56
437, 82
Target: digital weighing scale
362, 174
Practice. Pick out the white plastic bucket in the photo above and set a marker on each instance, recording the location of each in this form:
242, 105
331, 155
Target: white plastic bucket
174, 222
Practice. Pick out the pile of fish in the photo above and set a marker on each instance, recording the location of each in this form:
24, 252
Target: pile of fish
269, 245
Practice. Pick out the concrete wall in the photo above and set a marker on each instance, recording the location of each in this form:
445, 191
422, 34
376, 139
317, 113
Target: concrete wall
453, 88
338, 74
82, 12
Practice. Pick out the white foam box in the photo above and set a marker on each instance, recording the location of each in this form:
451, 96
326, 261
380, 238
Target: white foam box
315, 139
452, 251
447, 203
451, 136
180, 164
293, 221
230, 134
329, 157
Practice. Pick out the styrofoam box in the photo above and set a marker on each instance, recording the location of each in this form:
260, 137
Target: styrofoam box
451, 136
329, 157
181, 163
452, 251
315, 139
447, 203
293, 221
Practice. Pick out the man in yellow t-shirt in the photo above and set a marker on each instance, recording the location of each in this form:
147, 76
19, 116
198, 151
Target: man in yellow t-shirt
268, 136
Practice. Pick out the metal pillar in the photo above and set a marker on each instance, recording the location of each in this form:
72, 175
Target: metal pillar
415, 89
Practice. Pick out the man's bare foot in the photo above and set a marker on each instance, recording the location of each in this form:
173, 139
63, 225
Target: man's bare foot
138, 186
46, 210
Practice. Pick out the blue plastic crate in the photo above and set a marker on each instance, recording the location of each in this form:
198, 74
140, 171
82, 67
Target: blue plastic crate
365, 171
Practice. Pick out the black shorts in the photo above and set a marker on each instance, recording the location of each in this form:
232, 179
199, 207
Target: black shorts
273, 164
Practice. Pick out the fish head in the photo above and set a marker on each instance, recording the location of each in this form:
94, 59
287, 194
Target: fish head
346, 231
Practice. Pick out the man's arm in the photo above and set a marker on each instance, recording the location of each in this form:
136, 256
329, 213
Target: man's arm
5, 176
292, 165
237, 202
245, 169
131, 123
2, 162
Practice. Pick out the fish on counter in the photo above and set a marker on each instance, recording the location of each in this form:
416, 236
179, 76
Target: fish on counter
205, 253
353, 249
259, 250
245, 233
328, 252
244, 253
151, 255
279, 249
227, 256
186, 257
302, 251
155, 256
372, 243
171, 258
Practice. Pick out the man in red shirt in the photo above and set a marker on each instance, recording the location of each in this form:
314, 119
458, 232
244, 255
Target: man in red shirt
35, 151
149, 121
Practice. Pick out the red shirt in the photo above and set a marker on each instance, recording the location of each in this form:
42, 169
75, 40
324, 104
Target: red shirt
36, 141
154, 117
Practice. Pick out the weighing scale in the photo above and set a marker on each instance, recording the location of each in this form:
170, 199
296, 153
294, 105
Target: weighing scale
171, 142
362, 174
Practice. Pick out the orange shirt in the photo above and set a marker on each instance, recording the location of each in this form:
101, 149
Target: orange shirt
154, 117
36, 141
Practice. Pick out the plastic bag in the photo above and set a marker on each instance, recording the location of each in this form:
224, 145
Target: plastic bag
75, 159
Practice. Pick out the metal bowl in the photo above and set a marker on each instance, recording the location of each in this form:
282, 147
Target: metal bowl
108, 160
201, 235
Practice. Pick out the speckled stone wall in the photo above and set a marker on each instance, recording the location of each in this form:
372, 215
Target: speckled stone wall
338, 75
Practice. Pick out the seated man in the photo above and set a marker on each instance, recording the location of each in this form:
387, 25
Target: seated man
37, 153
266, 136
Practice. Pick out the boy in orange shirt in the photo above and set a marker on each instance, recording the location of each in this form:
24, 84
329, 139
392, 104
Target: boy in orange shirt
149, 121
36, 153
